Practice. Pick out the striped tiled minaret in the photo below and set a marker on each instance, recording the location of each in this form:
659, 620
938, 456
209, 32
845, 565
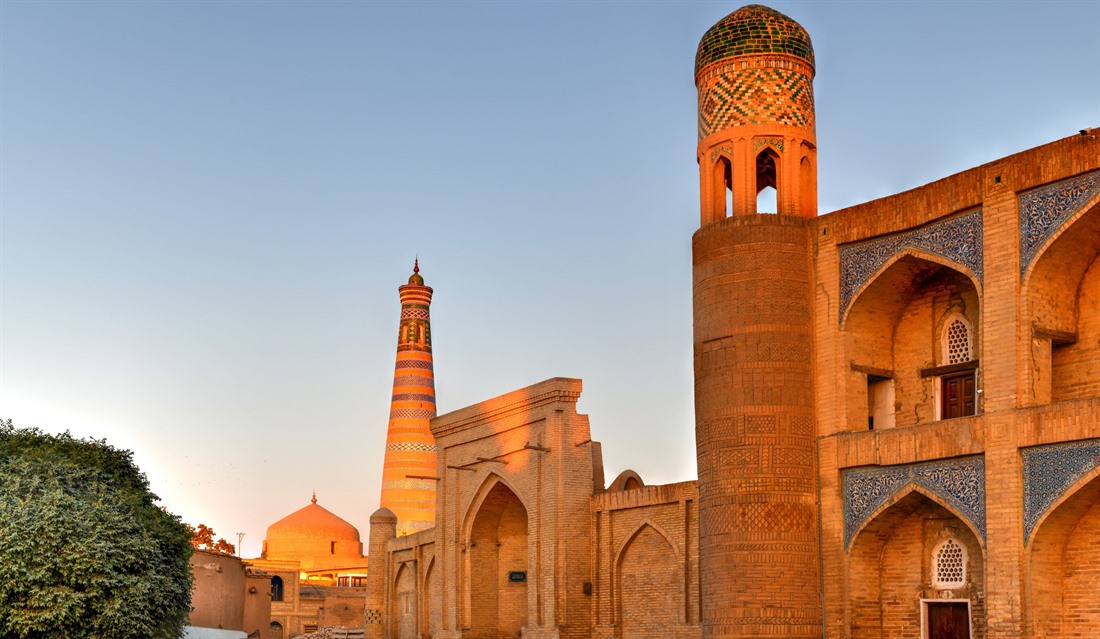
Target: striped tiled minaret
407, 488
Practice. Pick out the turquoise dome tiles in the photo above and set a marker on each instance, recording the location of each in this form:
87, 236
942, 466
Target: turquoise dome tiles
753, 29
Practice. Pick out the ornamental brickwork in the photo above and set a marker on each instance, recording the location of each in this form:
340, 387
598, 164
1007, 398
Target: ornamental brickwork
897, 414
409, 468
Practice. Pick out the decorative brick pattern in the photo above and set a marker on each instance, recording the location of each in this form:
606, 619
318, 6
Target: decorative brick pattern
410, 484
1049, 471
756, 96
414, 312
958, 239
412, 397
1045, 209
801, 425
960, 482
411, 413
760, 424
412, 446
774, 517
801, 457
420, 364
775, 143
414, 380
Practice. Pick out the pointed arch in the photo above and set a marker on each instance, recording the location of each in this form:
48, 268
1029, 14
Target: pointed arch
904, 492
885, 332
892, 565
807, 183
432, 613
648, 585
1063, 564
636, 530
767, 177
496, 560
722, 186
403, 609
911, 253
1061, 286
1066, 496
491, 480
1090, 207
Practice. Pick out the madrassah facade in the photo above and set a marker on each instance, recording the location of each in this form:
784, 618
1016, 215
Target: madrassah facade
897, 415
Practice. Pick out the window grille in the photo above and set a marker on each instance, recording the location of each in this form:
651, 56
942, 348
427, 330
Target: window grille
950, 565
957, 343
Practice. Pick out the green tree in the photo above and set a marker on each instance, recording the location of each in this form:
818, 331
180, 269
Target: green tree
85, 553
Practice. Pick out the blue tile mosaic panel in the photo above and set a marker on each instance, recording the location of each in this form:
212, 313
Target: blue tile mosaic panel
1049, 471
1045, 209
957, 238
960, 482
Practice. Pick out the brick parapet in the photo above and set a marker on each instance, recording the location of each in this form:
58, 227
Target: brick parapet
514, 404
964, 190
1048, 424
646, 496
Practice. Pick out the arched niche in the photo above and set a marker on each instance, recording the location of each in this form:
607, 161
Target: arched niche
891, 577
1062, 285
432, 601
403, 611
767, 181
893, 332
1063, 563
649, 584
496, 562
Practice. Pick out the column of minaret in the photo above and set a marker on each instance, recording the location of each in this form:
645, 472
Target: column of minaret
408, 484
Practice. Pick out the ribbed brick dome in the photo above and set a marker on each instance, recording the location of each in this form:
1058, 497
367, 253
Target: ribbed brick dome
752, 29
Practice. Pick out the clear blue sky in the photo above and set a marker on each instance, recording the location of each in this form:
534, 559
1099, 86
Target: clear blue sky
206, 209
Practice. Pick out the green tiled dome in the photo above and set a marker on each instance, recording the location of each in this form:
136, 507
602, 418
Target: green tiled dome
751, 29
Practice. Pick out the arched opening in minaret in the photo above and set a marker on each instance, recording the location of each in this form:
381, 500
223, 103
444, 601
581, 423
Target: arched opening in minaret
722, 203
807, 192
497, 555
767, 181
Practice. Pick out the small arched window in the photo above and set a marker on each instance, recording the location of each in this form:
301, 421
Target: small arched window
276, 588
723, 188
957, 341
767, 181
949, 564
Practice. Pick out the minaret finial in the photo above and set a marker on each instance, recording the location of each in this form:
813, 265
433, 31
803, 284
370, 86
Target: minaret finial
314, 500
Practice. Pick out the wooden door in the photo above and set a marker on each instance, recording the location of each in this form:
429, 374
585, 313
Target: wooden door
948, 620
957, 395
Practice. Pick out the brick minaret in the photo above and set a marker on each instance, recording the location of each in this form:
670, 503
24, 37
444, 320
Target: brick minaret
407, 489
753, 330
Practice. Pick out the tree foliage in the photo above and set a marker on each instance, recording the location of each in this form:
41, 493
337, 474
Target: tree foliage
202, 537
84, 550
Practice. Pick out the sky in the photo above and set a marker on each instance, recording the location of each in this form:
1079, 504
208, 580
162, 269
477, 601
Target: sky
206, 209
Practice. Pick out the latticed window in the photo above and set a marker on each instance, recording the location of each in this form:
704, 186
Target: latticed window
956, 343
950, 565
